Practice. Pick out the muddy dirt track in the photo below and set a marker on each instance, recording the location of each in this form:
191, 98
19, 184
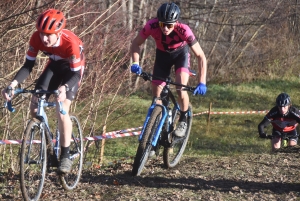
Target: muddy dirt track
246, 177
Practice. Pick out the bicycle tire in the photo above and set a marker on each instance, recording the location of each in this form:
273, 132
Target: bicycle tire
69, 181
33, 161
145, 145
173, 154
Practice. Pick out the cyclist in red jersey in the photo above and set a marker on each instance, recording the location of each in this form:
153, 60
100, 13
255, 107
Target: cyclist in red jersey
284, 118
173, 40
63, 71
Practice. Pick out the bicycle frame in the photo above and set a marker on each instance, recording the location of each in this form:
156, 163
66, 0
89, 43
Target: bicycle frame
41, 114
166, 95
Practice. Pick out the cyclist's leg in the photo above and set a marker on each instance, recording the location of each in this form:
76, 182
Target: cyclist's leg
64, 121
276, 141
182, 77
182, 65
42, 83
65, 130
162, 68
293, 140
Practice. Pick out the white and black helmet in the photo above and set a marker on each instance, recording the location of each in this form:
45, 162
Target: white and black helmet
168, 13
283, 100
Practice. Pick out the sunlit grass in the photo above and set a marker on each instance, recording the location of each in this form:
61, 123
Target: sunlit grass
221, 135
224, 135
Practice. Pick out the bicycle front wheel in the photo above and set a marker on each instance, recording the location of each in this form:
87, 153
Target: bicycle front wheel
70, 180
145, 145
172, 155
33, 161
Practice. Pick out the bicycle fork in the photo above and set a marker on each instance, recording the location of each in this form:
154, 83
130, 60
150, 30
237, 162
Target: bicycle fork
57, 143
40, 159
160, 126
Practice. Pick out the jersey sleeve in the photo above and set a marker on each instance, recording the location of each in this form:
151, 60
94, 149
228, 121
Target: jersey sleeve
271, 113
148, 28
73, 47
75, 58
186, 34
33, 48
296, 114
263, 124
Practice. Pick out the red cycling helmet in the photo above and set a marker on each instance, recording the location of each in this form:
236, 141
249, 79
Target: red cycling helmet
51, 22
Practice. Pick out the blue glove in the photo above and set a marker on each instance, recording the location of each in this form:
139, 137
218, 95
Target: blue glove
200, 89
135, 68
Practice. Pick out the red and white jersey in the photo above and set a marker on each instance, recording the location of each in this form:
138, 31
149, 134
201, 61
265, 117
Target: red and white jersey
67, 47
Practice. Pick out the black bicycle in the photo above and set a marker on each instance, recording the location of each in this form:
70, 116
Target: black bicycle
159, 126
40, 149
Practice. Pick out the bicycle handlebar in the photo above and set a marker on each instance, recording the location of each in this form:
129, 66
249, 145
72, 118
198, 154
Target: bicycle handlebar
8, 105
148, 76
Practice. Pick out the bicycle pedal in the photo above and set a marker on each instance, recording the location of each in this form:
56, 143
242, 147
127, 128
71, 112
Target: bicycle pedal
60, 173
52, 162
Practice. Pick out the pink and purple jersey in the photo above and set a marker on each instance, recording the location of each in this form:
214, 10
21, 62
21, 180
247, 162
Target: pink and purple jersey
179, 37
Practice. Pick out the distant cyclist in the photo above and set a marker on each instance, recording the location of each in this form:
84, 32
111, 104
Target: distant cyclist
63, 71
284, 118
173, 40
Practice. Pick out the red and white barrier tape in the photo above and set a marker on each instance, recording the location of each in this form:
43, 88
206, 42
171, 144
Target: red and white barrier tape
109, 135
126, 132
240, 112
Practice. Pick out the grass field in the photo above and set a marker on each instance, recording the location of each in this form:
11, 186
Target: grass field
220, 135
224, 158
223, 134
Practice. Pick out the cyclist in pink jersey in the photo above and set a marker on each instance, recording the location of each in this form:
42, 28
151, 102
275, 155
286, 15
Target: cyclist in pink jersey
63, 71
173, 40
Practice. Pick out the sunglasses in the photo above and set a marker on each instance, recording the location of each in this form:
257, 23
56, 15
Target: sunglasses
169, 26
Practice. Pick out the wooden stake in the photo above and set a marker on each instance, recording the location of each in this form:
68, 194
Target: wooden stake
102, 147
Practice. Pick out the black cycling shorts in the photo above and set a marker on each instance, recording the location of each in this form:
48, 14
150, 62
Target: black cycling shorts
53, 76
164, 61
293, 133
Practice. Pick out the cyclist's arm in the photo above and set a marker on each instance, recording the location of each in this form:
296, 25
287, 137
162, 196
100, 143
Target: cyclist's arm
202, 63
296, 113
135, 48
23, 73
262, 125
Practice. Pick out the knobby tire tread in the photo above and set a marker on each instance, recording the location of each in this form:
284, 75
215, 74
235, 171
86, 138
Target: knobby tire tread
144, 147
69, 181
169, 161
40, 148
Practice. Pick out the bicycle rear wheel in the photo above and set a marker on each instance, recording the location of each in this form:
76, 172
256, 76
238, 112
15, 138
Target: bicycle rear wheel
70, 180
145, 145
172, 155
33, 161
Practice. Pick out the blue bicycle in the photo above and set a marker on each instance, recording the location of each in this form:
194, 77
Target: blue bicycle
158, 128
40, 149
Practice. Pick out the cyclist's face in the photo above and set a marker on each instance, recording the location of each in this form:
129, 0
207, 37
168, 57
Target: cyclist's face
49, 39
284, 110
164, 28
